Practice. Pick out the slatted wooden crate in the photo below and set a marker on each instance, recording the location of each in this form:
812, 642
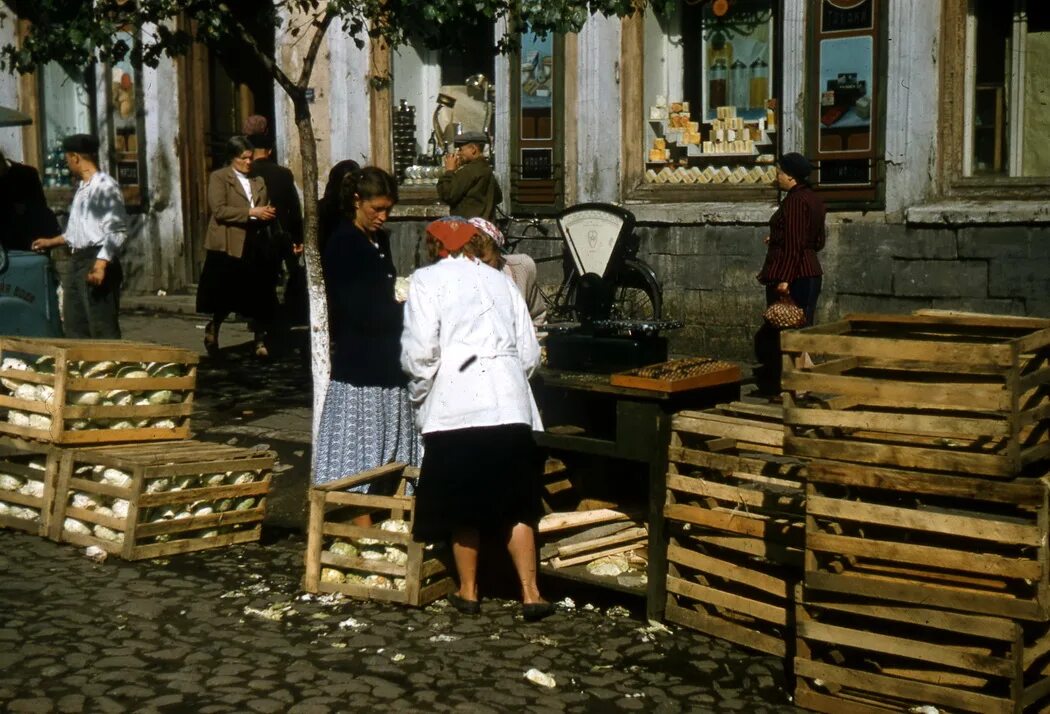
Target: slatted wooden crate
865, 656
734, 518
935, 540
381, 561
964, 394
28, 473
82, 392
158, 499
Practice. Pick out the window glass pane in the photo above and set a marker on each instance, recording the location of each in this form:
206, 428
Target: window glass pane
437, 95
709, 89
66, 107
994, 20
1036, 156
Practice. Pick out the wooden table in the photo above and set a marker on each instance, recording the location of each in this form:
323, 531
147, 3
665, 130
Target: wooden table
623, 423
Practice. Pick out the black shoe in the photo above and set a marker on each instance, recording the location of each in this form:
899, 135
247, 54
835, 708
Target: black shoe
467, 607
536, 611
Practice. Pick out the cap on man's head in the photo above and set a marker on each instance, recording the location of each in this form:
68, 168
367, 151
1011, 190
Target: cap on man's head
452, 232
796, 166
486, 227
255, 124
471, 137
80, 144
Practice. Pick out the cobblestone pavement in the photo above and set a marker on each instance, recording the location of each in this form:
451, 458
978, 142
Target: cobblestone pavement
231, 631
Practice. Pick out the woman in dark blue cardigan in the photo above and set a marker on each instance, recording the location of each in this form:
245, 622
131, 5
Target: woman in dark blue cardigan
367, 419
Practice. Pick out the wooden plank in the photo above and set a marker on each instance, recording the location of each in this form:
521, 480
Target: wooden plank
948, 352
926, 594
959, 657
902, 423
631, 534
574, 519
718, 598
725, 630
836, 704
588, 557
360, 478
780, 551
900, 393
775, 586
729, 427
736, 522
963, 559
1021, 492
973, 527
977, 625
922, 459
901, 688
771, 502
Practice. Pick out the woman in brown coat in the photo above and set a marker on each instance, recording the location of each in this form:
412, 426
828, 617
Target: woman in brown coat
242, 266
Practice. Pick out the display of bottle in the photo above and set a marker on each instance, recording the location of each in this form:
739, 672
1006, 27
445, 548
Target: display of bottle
759, 83
739, 90
716, 84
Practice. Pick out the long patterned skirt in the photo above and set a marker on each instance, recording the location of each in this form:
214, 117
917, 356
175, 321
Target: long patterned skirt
362, 428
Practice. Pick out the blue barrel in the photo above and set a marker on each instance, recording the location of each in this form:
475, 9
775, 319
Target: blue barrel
29, 296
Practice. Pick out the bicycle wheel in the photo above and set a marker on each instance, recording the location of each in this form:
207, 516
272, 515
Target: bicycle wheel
636, 292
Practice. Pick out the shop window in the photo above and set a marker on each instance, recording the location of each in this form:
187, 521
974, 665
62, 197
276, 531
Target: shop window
1007, 89
436, 95
537, 88
709, 106
126, 132
844, 98
67, 106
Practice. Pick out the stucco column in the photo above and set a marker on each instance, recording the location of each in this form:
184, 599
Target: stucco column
598, 110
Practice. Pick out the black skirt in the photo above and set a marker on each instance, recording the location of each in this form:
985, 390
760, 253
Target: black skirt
246, 285
483, 477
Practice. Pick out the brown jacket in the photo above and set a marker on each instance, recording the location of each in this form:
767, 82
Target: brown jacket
228, 225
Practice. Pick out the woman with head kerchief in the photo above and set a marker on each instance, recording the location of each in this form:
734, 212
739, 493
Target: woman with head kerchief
469, 348
367, 419
518, 266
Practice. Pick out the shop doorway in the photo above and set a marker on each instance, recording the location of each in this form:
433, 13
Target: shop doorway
219, 87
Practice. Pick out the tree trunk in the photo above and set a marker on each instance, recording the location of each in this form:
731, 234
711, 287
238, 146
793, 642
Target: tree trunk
319, 343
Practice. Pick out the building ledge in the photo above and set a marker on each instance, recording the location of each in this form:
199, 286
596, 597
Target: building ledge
961, 213
418, 210
736, 212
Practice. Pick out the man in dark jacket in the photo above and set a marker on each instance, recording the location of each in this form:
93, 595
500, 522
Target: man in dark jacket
280, 185
469, 186
23, 207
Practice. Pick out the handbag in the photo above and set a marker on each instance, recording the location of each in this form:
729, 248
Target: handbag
784, 314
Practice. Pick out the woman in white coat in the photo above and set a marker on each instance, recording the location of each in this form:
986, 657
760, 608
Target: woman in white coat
469, 347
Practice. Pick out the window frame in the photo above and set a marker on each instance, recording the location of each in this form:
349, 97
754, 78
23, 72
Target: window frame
865, 197
558, 139
956, 98
634, 115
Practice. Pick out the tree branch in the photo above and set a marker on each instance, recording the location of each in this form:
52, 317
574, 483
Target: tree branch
269, 62
315, 47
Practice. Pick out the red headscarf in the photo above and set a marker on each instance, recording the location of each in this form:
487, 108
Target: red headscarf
452, 232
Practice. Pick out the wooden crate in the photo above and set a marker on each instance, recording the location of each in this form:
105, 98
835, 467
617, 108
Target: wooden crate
961, 394
855, 654
678, 375
161, 498
407, 570
936, 540
80, 392
28, 473
734, 519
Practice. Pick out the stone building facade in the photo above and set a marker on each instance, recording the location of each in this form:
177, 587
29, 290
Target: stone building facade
925, 120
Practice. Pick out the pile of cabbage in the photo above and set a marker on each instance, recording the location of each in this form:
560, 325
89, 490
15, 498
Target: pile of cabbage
45, 393
369, 549
15, 483
118, 507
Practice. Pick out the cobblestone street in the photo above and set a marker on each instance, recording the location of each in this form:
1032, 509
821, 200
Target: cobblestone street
231, 630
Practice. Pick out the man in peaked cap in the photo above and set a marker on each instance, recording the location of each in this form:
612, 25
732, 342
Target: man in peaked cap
95, 234
469, 187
